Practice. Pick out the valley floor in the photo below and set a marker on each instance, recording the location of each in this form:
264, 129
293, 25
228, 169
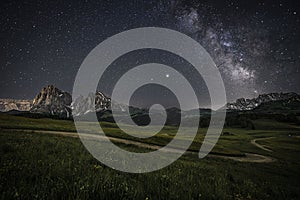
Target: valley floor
246, 157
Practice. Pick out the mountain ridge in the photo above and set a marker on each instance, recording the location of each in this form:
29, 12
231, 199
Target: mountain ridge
243, 104
53, 101
15, 104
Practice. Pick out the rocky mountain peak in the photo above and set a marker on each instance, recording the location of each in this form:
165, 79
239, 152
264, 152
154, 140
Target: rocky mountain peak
91, 103
249, 104
53, 101
48, 95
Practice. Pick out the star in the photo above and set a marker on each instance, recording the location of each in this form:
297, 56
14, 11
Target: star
249, 43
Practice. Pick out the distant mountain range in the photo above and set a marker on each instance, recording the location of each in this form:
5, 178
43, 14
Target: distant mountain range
51, 101
13, 104
250, 104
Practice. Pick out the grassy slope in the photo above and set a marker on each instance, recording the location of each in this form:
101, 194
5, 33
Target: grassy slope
236, 144
47, 166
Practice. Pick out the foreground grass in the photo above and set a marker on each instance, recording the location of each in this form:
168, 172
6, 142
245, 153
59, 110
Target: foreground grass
39, 166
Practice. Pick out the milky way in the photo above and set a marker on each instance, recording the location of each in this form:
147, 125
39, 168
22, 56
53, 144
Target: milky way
245, 46
255, 44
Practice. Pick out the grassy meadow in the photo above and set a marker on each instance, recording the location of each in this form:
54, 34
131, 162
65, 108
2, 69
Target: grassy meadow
51, 166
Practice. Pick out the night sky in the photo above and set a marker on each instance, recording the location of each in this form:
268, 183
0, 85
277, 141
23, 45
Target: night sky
255, 44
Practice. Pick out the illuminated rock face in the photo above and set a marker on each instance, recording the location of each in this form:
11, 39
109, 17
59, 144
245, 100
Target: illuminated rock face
249, 104
91, 103
14, 104
52, 101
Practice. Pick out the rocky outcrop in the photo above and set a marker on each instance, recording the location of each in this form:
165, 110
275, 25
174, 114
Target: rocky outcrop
249, 104
52, 101
92, 103
13, 104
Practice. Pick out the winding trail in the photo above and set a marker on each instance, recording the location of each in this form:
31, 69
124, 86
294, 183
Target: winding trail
248, 157
254, 142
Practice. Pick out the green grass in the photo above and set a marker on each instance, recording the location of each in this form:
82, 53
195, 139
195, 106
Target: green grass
15, 122
236, 144
268, 124
45, 166
284, 147
38, 166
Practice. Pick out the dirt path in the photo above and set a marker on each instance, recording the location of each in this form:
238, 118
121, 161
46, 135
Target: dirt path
249, 157
261, 146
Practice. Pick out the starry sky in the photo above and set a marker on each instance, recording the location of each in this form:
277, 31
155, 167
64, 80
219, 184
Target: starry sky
255, 44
